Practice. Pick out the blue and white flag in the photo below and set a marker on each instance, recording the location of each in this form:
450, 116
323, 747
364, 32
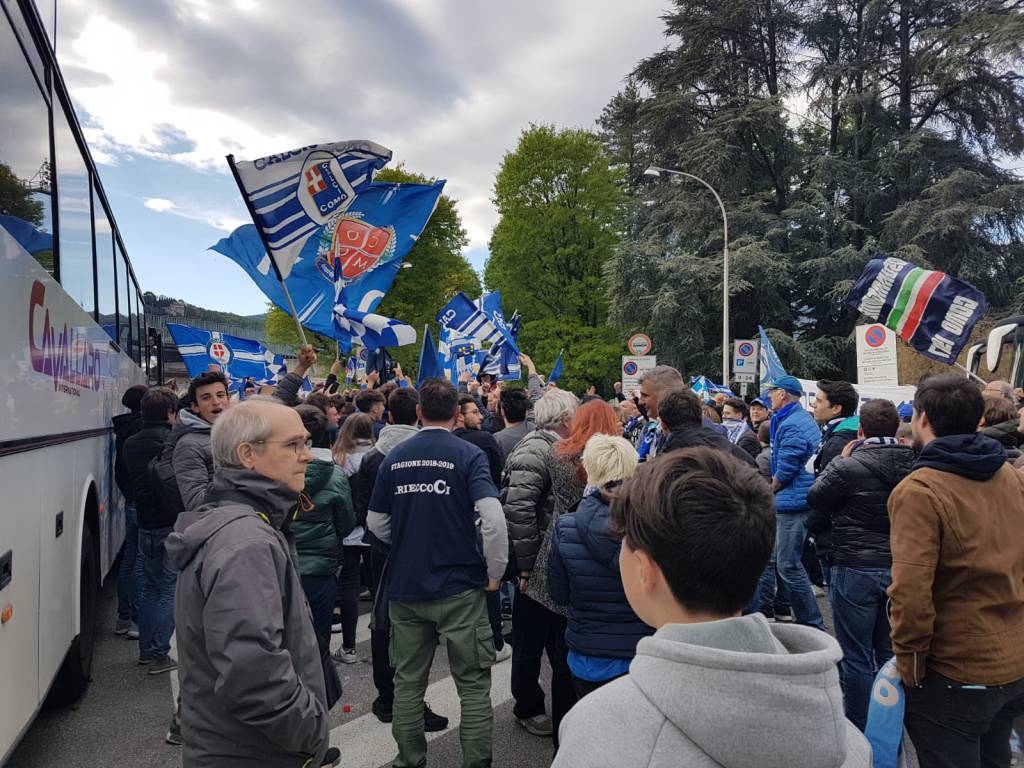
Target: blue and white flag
511, 368
457, 354
706, 389
371, 330
239, 358
933, 312
465, 318
350, 369
294, 194
556, 371
430, 366
371, 238
772, 368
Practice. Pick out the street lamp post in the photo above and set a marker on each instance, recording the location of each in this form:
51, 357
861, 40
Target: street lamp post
656, 172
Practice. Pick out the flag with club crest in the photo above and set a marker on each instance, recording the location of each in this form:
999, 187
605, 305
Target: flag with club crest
370, 239
933, 312
294, 194
238, 358
457, 354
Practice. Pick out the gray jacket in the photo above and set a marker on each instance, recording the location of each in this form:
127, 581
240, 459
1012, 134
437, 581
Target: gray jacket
509, 437
528, 501
252, 681
192, 458
736, 693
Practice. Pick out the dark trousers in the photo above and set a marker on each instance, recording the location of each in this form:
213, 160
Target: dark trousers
535, 630
383, 672
954, 725
494, 616
583, 687
348, 592
320, 594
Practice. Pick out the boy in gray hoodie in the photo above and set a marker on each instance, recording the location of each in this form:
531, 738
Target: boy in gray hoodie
710, 688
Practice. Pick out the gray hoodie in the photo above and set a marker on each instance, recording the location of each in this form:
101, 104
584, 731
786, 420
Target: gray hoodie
252, 681
736, 693
192, 458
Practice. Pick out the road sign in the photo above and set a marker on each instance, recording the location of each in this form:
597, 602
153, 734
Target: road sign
633, 367
876, 355
640, 344
744, 361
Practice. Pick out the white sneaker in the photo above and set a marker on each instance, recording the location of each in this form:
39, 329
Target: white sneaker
345, 656
504, 654
818, 591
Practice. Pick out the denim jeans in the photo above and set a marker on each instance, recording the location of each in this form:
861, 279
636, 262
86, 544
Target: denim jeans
862, 629
129, 576
770, 596
954, 725
156, 607
790, 532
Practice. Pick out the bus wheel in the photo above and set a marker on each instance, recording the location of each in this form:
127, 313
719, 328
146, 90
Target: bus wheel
73, 677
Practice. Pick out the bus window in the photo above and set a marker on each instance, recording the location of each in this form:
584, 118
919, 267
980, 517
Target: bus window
138, 327
106, 277
26, 193
74, 227
123, 305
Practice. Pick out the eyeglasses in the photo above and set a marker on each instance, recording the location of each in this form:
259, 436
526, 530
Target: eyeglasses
296, 445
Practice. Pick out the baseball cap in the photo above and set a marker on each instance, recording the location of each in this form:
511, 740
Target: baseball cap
763, 401
788, 383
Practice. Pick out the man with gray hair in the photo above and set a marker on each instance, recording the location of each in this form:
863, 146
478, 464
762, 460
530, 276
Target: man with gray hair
653, 384
1001, 388
252, 680
529, 505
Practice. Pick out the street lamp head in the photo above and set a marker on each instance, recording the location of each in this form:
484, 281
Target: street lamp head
653, 171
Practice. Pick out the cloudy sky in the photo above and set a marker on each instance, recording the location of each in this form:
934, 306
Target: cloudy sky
165, 88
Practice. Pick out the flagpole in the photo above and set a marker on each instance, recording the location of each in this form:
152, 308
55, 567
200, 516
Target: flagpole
273, 262
970, 374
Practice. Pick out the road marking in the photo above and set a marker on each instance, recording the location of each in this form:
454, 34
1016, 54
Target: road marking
366, 742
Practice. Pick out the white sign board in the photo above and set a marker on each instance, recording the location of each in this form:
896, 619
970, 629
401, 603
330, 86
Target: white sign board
633, 367
876, 355
744, 361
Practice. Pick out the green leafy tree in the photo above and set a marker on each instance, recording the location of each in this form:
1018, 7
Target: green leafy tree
560, 201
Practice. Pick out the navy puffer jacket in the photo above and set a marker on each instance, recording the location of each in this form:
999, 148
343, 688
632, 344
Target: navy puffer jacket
583, 573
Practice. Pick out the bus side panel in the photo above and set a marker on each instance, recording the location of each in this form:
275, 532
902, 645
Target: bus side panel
19, 637
59, 554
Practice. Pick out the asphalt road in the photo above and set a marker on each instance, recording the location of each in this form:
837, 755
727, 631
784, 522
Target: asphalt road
123, 716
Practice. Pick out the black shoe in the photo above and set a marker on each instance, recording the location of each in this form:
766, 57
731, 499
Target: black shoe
332, 757
432, 721
381, 711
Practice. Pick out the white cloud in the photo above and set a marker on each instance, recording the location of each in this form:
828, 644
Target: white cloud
447, 84
158, 204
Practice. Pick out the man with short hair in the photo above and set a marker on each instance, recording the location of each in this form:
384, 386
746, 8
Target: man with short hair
835, 410
435, 504
372, 402
659, 379
529, 507
468, 427
515, 407
760, 412
156, 601
252, 679
849, 499
696, 531
189, 441
795, 438
734, 419
682, 421
957, 594
1001, 388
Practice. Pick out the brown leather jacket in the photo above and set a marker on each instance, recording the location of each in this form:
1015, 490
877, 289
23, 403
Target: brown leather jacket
957, 594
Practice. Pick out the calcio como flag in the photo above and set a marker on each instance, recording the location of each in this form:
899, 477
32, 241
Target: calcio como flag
294, 194
369, 240
933, 312
239, 358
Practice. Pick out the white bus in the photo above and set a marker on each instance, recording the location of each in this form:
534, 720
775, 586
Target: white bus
72, 339
1008, 332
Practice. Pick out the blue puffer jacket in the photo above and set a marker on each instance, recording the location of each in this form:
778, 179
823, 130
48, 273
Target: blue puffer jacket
795, 440
583, 573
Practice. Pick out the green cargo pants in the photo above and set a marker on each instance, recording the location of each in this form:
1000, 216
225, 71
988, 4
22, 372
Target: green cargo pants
415, 630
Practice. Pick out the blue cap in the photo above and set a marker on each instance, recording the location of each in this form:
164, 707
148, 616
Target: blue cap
764, 401
788, 383
906, 411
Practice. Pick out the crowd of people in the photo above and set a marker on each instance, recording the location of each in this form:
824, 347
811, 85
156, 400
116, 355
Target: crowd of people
671, 557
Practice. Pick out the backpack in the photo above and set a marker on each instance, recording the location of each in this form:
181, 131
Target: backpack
166, 496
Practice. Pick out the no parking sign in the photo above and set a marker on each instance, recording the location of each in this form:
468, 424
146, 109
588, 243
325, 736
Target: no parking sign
633, 367
876, 355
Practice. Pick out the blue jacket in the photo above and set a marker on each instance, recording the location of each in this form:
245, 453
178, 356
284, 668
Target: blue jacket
583, 573
795, 440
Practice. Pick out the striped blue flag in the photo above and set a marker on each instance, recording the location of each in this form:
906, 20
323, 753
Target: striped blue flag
464, 318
